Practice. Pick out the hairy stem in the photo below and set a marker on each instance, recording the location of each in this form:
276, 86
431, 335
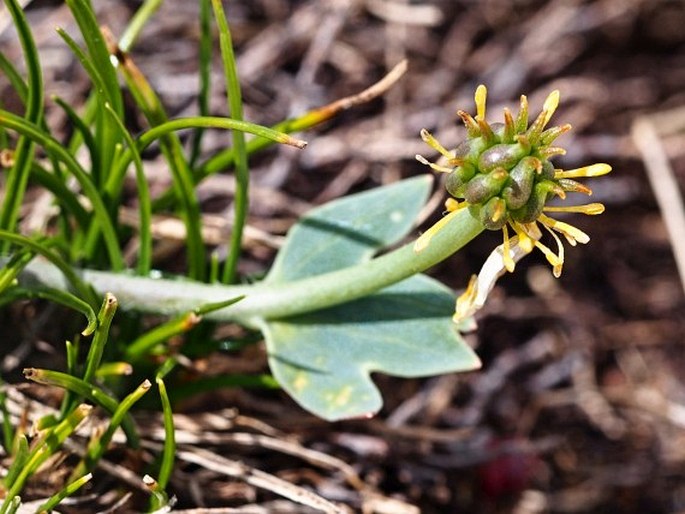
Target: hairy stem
266, 300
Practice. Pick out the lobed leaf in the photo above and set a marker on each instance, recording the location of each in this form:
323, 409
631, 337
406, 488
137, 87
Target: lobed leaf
349, 230
324, 359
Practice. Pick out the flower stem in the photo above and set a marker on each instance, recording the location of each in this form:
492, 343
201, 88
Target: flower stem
266, 300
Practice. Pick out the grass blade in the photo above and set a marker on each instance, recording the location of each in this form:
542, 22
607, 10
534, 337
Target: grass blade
7, 430
20, 451
17, 177
144, 202
14, 77
97, 347
99, 54
88, 391
306, 121
98, 446
204, 73
41, 249
81, 126
57, 150
242, 175
70, 489
46, 445
172, 149
57, 296
135, 26
9, 273
158, 132
173, 327
167, 464
100, 60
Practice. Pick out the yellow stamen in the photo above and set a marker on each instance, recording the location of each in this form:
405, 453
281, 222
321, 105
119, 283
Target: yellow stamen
551, 257
481, 97
550, 105
591, 209
433, 166
556, 270
451, 204
525, 241
506, 253
594, 170
433, 143
571, 233
424, 239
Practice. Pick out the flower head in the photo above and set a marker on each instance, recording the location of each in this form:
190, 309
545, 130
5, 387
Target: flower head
503, 174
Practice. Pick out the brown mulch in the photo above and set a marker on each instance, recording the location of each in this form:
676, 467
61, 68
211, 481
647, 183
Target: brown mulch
580, 405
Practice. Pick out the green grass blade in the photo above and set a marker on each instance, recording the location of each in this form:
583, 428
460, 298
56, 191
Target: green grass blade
97, 49
58, 296
57, 150
40, 248
242, 175
227, 158
98, 447
102, 144
113, 369
135, 26
14, 77
179, 325
46, 446
81, 126
20, 453
208, 384
204, 73
9, 273
144, 203
183, 184
70, 489
167, 464
11, 506
97, 347
218, 122
18, 175
148, 137
108, 90
88, 391
92, 106
7, 429
160, 334
68, 200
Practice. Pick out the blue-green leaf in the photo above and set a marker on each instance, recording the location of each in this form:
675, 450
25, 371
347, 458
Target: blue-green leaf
350, 230
324, 359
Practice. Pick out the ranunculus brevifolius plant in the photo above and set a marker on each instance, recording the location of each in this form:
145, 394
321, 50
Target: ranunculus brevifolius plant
332, 309
331, 314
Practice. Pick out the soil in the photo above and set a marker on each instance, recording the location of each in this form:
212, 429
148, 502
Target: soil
580, 404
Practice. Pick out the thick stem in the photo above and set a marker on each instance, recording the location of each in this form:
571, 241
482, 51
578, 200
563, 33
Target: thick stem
265, 300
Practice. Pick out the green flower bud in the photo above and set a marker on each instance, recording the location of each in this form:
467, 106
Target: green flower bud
519, 188
470, 149
482, 187
547, 170
502, 156
493, 215
536, 202
457, 180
